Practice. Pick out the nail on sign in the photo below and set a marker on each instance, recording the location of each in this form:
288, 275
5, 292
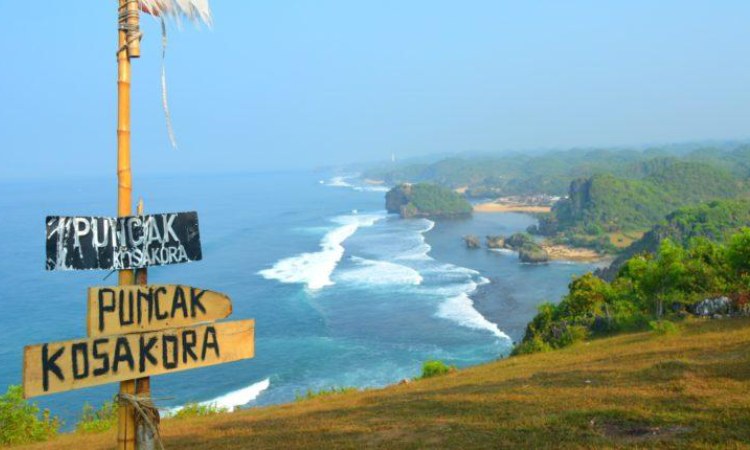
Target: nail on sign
81, 243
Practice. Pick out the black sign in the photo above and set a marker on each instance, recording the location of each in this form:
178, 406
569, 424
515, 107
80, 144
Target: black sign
81, 243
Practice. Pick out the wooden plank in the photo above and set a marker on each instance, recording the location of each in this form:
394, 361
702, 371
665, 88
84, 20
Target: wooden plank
141, 308
130, 242
63, 366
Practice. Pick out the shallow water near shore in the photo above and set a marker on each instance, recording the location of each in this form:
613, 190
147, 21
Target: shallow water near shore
343, 294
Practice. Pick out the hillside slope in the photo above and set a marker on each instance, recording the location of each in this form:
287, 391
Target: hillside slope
690, 390
715, 220
612, 203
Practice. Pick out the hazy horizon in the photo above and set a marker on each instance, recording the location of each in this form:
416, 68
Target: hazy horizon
300, 86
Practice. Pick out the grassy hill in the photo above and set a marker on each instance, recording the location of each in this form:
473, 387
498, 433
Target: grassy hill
689, 390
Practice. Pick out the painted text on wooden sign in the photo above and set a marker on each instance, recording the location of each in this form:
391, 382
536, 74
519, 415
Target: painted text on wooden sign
81, 243
139, 308
63, 366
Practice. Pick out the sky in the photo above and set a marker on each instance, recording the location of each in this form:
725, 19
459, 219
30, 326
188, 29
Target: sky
297, 84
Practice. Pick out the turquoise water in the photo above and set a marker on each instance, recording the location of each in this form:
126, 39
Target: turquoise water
342, 293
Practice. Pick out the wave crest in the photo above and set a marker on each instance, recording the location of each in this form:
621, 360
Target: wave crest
371, 272
233, 399
460, 309
314, 269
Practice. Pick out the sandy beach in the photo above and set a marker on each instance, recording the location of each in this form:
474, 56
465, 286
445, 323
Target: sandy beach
565, 253
500, 207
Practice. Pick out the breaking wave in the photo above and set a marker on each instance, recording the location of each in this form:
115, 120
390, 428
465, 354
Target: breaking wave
341, 181
460, 309
234, 399
372, 272
314, 269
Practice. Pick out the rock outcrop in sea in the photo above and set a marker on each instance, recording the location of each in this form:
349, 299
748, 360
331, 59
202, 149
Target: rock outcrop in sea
533, 254
528, 250
495, 241
472, 241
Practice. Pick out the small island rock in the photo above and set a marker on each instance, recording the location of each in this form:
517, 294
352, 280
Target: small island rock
528, 250
472, 241
533, 254
426, 200
495, 241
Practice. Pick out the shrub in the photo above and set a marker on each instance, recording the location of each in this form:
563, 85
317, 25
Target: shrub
533, 345
434, 368
635, 321
98, 420
663, 327
199, 410
20, 421
323, 393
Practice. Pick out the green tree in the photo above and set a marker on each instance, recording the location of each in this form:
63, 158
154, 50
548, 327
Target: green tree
587, 294
20, 421
738, 253
665, 275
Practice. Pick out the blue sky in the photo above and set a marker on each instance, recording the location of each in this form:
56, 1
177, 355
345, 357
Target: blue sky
295, 84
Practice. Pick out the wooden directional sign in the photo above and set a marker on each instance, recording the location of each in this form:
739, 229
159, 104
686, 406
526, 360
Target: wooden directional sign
139, 308
62, 366
81, 243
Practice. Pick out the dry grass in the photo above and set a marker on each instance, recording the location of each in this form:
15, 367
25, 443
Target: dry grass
690, 390
623, 239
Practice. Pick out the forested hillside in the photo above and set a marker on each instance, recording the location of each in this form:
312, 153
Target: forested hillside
552, 172
605, 203
610, 197
704, 277
715, 221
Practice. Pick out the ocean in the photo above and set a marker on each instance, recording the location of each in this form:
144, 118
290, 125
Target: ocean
343, 294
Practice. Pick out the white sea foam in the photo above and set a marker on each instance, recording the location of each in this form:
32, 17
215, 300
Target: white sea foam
421, 250
371, 188
460, 284
234, 399
314, 269
371, 272
340, 181
505, 251
460, 309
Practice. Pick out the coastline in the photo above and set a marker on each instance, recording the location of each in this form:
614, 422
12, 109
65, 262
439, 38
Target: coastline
501, 207
558, 252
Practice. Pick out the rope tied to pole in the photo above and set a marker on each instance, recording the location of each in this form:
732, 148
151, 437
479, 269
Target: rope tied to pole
146, 413
127, 21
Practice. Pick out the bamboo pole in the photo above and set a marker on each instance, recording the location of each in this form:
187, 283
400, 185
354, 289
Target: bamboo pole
145, 439
129, 12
